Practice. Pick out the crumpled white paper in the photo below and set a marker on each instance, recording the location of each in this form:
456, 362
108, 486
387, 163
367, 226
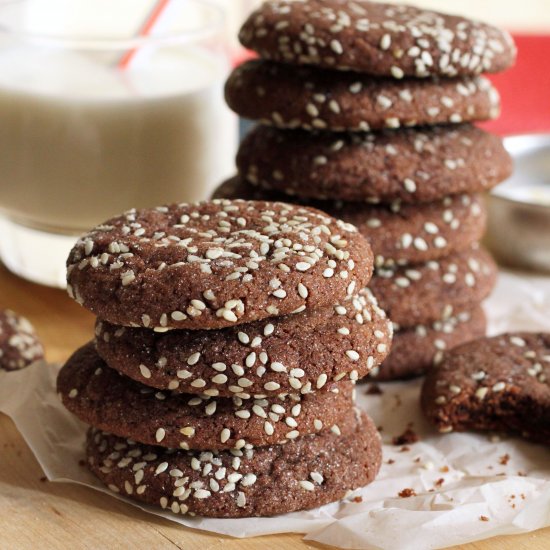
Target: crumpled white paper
467, 486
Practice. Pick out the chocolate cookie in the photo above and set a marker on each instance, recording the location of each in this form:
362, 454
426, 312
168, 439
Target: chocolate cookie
286, 96
415, 350
414, 165
376, 38
100, 396
301, 353
215, 264
398, 233
496, 384
423, 294
304, 473
19, 344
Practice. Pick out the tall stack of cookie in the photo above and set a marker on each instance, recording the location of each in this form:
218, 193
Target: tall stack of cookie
229, 338
365, 112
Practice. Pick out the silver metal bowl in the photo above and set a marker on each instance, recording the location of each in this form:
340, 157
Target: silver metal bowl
519, 209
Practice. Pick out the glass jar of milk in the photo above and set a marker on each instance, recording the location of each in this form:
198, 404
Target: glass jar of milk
105, 105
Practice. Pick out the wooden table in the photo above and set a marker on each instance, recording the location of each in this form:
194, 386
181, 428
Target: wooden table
38, 514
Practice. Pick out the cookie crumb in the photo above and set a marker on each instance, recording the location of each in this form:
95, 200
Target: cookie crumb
406, 493
483, 518
407, 437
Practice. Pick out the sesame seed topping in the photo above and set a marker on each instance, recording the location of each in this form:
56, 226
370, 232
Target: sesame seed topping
307, 485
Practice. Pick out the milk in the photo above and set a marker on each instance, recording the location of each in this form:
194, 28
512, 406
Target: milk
81, 141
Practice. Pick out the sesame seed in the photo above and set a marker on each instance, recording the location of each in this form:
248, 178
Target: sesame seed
316, 477
397, 72
517, 341
162, 467
312, 110
384, 102
248, 480
258, 411
431, 228
193, 359
481, 393
307, 485
243, 338
321, 380
385, 42
409, 185
277, 367
241, 500
225, 435
289, 421
336, 47
127, 277
145, 372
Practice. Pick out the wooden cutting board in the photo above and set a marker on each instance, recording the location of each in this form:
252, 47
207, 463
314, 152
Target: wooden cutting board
37, 514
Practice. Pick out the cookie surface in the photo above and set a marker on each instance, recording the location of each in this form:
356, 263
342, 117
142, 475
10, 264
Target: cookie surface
215, 264
103, 398
287, 96
295, 354
497, 384
399, 233
19, 344
415, 350
376, 38
304, 473
413, 165
425, 293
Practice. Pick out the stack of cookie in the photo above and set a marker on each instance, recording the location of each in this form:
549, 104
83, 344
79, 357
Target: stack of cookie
229, 338
365, 112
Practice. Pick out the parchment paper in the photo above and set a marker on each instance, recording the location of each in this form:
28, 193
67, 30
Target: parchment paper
468, 486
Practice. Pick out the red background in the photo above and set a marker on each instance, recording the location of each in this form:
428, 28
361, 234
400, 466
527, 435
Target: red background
525, 89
